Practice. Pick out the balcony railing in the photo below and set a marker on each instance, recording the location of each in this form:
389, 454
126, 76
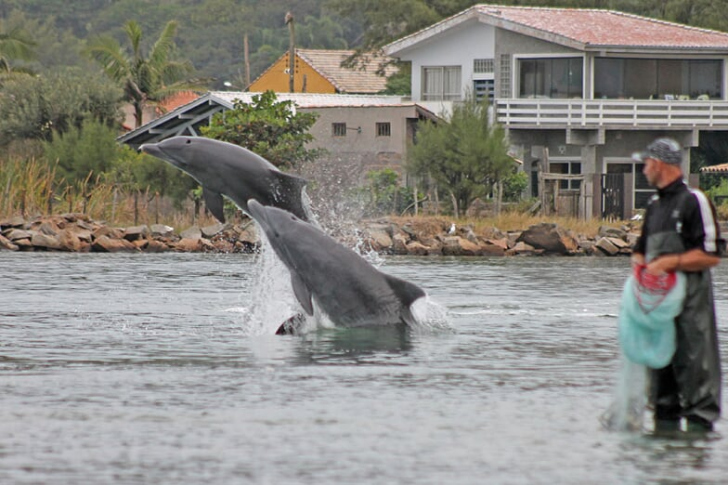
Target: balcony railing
615, 113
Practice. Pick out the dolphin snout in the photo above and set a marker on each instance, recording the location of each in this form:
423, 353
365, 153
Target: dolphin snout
151, 149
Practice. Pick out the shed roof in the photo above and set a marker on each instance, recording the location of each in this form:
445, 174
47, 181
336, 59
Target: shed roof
584, 29
187, 119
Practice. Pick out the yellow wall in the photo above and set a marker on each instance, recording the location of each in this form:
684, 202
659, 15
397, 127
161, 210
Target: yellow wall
276, 79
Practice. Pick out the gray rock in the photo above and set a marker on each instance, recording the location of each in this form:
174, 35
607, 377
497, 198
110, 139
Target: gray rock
193, 232
135, 233
45, 241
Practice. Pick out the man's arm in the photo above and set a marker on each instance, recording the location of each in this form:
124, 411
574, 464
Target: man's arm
693, 260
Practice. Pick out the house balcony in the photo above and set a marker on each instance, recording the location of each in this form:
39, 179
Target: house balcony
612, 114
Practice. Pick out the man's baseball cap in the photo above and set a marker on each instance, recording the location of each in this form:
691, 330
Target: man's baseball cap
666, 150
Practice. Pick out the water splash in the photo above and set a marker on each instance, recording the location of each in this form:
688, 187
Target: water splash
626, 413
429, 315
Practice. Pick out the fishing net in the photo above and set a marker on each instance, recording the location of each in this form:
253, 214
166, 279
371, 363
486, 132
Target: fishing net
647, 314
650, 304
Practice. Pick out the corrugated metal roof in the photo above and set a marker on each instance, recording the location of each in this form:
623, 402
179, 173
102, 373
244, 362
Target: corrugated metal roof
311, 100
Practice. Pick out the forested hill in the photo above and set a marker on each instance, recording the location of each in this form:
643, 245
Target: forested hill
211, 32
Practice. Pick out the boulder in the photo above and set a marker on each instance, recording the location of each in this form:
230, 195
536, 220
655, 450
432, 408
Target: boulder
105, 244
45, 241
16, 234
135, 233
210, 231
189, 245
399, 243
193, 232
606, 245
5, 243
161, 230
614, 232
71, 242
379, 237
416, 248
548, 237
16, 221
154, 246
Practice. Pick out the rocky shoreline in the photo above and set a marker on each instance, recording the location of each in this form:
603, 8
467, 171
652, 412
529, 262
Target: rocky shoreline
420, 237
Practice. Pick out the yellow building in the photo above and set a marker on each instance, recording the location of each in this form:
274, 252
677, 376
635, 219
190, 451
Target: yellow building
320, 71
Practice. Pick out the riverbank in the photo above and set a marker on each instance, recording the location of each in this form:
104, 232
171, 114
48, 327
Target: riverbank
422, 236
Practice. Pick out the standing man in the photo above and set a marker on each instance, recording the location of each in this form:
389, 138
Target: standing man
680, 233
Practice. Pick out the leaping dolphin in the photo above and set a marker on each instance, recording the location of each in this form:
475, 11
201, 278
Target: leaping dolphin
226, 169
349, 290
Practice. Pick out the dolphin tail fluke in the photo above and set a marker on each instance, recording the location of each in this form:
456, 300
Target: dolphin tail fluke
291, 193
214, 203
407, 293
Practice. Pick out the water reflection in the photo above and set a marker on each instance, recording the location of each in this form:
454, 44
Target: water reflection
677, 459
352, 345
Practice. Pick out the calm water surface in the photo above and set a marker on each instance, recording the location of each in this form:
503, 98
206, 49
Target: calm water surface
144, 369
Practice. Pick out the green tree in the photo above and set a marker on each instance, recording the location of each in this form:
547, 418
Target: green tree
15, 45
268, 127
465, 156
145, 80
82, 152
34, 107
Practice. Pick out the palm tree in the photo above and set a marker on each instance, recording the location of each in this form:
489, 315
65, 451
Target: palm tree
145, 80
15, 45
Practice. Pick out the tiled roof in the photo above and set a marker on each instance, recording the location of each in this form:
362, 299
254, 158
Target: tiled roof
607, 28
586, 29
357, 80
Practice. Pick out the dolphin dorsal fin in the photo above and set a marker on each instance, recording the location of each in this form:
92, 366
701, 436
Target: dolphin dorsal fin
303, 295
214, 203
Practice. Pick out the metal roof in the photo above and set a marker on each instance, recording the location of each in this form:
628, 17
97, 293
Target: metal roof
187, 119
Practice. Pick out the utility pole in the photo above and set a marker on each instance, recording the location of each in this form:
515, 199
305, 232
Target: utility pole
246, 56
291, 52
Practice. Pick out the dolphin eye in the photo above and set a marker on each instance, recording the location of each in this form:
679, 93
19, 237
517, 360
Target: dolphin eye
188, 141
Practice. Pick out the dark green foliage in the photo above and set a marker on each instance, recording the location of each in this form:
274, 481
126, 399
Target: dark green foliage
83, 152
267, 127
384, 194
35, 107
465, 157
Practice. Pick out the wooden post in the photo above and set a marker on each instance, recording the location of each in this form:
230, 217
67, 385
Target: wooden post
291, 52
246, 58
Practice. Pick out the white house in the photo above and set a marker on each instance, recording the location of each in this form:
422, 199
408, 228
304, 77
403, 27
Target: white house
579, 90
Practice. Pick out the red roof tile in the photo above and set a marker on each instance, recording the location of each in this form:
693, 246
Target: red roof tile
607, 28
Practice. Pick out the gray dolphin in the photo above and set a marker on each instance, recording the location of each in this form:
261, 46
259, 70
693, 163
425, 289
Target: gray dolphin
233, 171
349, 290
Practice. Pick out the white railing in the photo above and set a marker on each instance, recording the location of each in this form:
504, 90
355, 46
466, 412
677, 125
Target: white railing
595, 113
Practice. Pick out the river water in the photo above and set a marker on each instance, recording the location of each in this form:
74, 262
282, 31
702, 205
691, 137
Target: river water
150, 369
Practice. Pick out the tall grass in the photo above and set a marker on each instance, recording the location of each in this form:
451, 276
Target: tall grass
29, 188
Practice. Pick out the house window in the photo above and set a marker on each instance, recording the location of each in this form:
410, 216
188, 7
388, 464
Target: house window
484, 88
658, 78
384, 129
567, 168
441, 83
505, 76
551, 78
338, 129
483, 66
